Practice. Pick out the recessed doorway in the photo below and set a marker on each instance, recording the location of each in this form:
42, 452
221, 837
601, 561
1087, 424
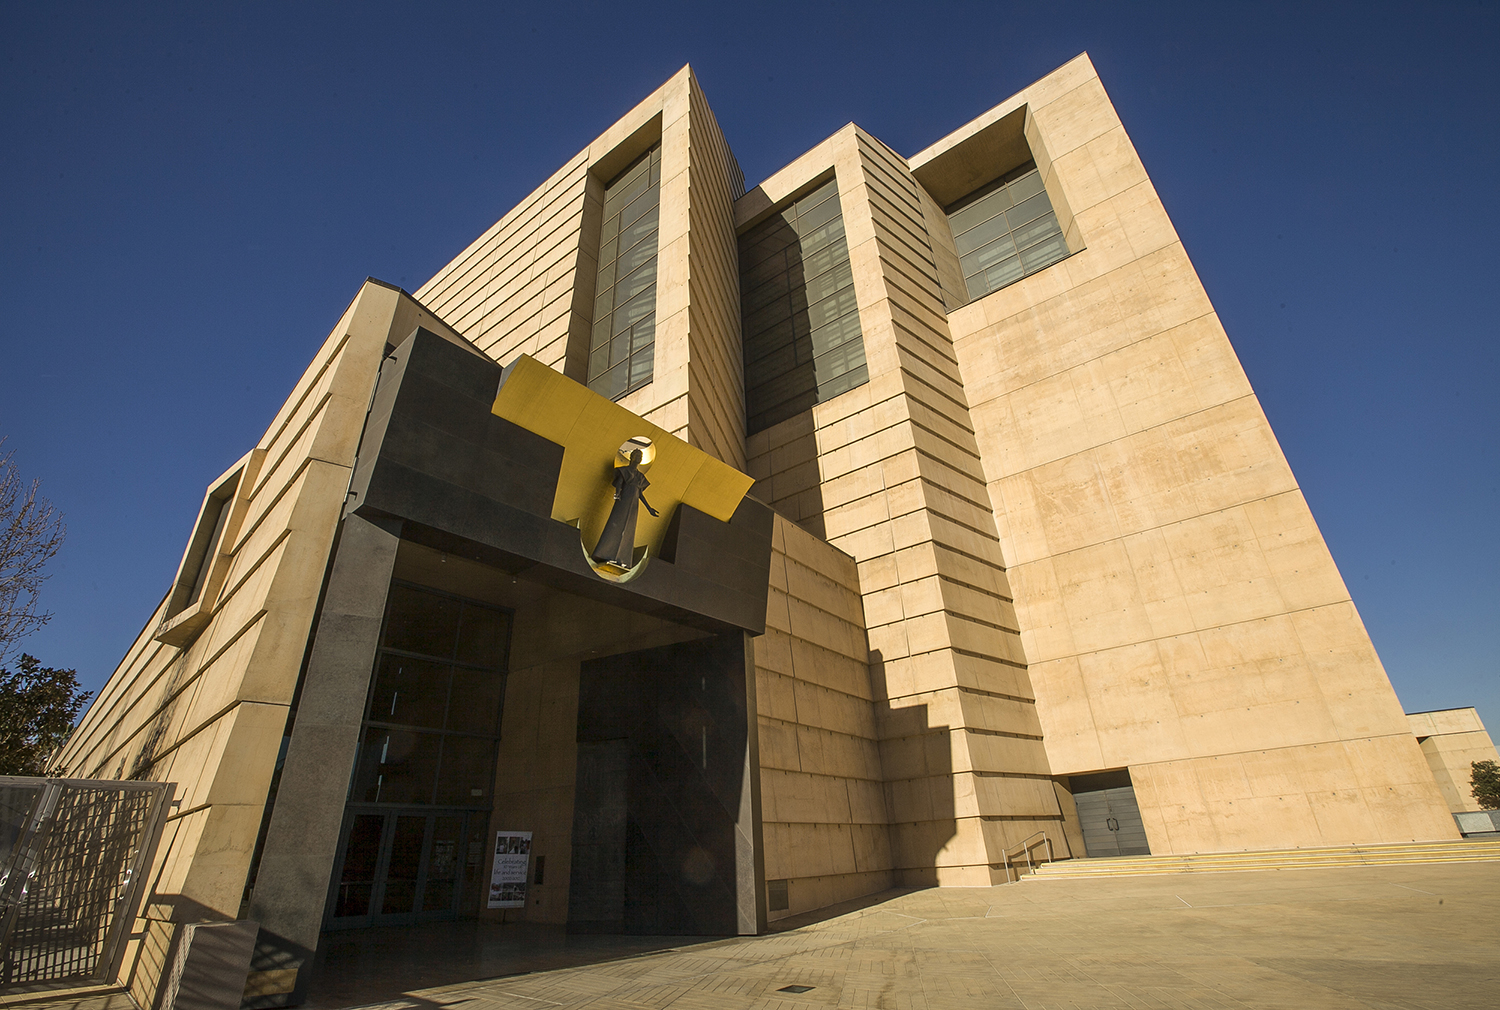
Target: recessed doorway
402, 866
1109, 815
412, 840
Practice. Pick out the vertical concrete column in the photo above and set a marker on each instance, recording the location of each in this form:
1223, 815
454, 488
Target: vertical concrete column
904, 494
716, 369
749, 843
291, 886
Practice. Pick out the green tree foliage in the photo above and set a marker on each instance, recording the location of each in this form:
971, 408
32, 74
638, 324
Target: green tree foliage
38, 706
1484, 783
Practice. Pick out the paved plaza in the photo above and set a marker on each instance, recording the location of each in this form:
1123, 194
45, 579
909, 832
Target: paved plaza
1420, 936
1365, 937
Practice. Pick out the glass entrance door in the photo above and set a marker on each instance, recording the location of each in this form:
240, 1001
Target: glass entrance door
425, 770
399, 866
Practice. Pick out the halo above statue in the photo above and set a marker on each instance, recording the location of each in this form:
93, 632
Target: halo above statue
647, 449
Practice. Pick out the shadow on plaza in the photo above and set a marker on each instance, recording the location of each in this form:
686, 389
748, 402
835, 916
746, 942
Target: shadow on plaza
360, 967
363, 966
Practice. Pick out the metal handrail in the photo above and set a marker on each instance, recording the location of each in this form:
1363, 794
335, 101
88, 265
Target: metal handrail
1025, 847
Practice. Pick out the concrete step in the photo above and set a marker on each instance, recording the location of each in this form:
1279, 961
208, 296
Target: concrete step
1276, 859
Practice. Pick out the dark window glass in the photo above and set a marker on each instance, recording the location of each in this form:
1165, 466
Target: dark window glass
841, 331
1005, 272
1043, 228
990, 226
405, 861
421, 622
361, 854
216, 512
1024, 184
624, 332
1000, 249
397, 766
1043, 254
801, 330
410, 692
442, 864
433, 719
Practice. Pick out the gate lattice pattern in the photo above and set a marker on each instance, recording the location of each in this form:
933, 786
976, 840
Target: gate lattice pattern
71, 881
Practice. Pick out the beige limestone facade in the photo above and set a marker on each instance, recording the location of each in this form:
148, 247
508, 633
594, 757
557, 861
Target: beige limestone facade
526, 286
1050, 550
890, 473
209, 713
1452, 739
1180, 613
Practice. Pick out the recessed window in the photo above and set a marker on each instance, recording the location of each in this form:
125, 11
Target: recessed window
801, 323
209, 535
1006, 231
206, 562
624, 334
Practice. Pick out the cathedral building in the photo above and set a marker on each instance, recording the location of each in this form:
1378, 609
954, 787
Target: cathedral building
684, 556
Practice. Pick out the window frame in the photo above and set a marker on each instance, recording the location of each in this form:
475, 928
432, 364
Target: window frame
652, 156
762, 313
209, 554
444, 732
1054, 235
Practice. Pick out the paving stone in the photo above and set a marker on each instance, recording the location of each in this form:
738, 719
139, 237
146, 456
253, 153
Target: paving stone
1356, 938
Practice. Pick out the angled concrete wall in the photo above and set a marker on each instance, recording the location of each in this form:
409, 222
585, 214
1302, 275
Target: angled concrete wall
209, 715
824, 807
1452, 740
1181, 614
890, 473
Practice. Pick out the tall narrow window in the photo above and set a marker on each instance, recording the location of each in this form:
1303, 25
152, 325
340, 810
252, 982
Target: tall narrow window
801, 324
624, 336
435, 701
1005, 231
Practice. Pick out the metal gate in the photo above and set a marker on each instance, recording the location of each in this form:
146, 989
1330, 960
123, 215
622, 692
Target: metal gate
74, 855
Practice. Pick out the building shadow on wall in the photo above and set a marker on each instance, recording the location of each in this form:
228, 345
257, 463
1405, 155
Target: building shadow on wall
916, 757
817, 915
780, 372
795, 485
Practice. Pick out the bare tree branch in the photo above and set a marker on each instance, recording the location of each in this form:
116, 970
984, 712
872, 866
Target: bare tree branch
31, 531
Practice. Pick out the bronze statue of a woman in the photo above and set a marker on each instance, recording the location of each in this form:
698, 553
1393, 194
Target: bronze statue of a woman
617, 543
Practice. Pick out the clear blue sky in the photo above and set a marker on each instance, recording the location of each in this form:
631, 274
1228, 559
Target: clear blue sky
192, 193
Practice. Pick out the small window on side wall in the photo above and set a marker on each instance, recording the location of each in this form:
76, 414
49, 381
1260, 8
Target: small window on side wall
1005, 231
205, 563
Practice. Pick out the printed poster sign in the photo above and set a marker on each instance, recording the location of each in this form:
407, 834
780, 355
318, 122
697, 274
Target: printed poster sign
508, 876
